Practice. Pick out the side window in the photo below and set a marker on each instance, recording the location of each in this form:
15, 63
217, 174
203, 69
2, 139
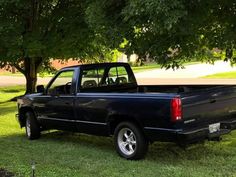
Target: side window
62, 84
92, 78
118, 76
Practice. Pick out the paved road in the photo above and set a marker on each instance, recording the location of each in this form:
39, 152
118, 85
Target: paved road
189, 75
190, 71
185, 81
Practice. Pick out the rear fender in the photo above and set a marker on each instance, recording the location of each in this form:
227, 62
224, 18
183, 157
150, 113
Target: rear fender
114, 120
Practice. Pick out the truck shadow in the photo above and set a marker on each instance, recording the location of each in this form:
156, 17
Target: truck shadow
164, 153
90, 141
172, 153
158, 151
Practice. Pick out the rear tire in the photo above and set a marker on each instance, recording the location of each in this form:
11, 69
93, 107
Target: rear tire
32, 128
130, 141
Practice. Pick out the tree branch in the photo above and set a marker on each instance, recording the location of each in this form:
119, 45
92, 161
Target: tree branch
38, 63
18, 68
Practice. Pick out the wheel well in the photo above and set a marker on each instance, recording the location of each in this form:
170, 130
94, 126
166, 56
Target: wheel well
22, 113
116, 119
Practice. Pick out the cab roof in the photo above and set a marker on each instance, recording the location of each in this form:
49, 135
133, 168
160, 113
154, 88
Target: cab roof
94, 65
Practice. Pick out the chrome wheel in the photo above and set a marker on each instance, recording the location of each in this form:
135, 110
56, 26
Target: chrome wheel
126, 141
32, 129
28, 130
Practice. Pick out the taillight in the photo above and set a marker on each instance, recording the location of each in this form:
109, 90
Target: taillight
176, 109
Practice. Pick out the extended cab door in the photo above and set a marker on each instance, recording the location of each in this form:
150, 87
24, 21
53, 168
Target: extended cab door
55, 107
93, 100
90, 109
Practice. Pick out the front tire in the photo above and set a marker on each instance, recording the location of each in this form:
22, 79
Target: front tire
130, 141
32, 128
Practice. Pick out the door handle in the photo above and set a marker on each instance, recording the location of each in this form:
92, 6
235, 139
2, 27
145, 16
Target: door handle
215, 95
55, 96
212, 100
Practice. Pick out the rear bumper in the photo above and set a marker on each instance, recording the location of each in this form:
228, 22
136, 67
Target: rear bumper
199, 134
187, 136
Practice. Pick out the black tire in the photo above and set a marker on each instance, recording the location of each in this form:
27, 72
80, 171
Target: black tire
32, 128
135, 146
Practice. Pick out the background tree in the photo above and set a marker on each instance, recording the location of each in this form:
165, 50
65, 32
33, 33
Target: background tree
34, 31
170, 31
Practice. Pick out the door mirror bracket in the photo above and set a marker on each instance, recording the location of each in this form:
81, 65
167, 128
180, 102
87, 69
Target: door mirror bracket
40, 89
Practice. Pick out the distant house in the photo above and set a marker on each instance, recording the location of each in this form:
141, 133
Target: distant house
124, 58
59, 64
55, 63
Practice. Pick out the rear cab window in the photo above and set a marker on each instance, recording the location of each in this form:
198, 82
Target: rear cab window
91, 78
102, 78
118, 76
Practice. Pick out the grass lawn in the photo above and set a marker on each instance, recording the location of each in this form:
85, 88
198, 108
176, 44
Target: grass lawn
62, 154
226, 75
150, 66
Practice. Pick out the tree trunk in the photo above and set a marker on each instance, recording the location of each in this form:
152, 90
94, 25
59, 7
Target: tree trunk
13, 70
31, 70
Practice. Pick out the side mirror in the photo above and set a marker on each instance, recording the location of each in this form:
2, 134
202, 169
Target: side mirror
40, 89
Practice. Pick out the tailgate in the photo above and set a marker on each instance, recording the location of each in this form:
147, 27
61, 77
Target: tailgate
208, 106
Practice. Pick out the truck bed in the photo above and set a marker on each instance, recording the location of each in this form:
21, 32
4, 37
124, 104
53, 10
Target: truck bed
176, 88
201, 103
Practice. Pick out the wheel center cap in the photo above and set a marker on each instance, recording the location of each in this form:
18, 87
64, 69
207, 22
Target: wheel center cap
128, 140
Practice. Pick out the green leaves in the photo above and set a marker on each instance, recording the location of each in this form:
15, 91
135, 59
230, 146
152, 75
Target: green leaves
156, 27
54, 28
93, 29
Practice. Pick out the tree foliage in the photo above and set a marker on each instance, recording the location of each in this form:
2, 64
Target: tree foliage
34, 31
169, 31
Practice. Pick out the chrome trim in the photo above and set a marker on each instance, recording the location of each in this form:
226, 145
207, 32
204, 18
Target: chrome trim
189, 121
122, 95
60, 96
163, 129
76, 121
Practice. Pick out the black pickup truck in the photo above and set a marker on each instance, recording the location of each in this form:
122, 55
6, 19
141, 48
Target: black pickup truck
104, 99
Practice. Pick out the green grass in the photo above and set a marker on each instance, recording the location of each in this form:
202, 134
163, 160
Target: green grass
150, 66
7, 93
59, 154
7, 73
226, 75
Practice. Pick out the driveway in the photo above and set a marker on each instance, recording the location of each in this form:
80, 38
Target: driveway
189, 75
190, 71
185, 81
